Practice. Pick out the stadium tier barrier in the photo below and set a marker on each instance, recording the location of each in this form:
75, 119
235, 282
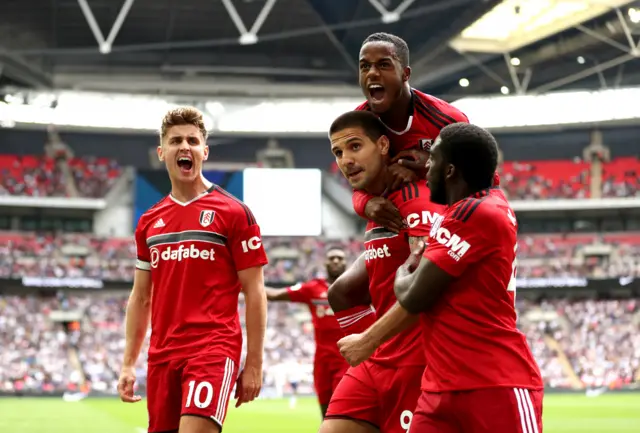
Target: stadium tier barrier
547, 283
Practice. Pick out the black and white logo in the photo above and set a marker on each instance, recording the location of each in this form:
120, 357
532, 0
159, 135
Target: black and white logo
206, 217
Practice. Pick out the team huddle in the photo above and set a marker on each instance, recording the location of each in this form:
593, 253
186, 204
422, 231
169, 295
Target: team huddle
418, 334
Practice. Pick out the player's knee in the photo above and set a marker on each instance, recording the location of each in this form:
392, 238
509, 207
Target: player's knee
198, 424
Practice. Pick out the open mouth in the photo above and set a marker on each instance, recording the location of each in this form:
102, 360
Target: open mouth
377, 92
185, 163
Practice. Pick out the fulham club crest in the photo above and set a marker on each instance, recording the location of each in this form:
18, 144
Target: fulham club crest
425, 143
206, 217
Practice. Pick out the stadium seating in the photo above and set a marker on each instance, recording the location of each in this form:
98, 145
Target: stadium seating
621, 177
546, 179
559, 179
559, 255
34, 352
577, 343
595, 342
41, 176
297, 258
94, 176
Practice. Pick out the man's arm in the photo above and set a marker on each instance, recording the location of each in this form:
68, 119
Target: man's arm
136, 323
252, 281
419, 292
350, 299
398, 318
137, 317
358, 348
247, 252
350, 289
275, 295
250, 381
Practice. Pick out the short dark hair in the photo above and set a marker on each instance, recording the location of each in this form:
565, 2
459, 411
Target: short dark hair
333, 247
473, 151
369, 122
402, 49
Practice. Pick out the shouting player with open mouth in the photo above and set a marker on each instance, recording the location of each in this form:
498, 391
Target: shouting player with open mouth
413, 119
197, 249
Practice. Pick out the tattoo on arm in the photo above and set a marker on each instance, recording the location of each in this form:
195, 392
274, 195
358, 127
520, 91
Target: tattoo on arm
413, 241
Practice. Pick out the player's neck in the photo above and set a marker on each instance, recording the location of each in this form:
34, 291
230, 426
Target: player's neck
378, 185
398, 115
461, 192
186, 191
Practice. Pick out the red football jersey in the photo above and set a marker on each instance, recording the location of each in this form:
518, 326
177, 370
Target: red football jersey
326, 328
385, 252
429, 116
471, 339
194, 251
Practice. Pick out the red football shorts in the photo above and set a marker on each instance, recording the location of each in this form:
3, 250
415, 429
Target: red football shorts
382, 396
495, 410
326, 377
198, 386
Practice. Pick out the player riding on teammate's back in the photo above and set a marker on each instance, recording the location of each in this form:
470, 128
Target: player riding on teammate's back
191, 256
413, 119
379, 393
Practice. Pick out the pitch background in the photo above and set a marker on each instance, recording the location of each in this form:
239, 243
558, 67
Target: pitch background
563, 413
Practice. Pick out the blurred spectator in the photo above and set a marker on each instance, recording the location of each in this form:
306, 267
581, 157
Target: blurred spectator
39, 176
601, 341
298, 258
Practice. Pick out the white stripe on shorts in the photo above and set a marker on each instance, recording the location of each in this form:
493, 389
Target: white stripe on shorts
225, 388
531, 411
525, 409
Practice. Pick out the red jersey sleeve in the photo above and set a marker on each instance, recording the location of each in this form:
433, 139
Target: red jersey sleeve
457, 240
300, 293
143, 255
245, 242
415, 206
360, 200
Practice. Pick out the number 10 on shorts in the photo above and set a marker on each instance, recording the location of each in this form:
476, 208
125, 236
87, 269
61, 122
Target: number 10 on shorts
196, 394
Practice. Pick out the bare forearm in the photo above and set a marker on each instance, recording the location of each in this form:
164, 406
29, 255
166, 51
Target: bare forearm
420, 291
402, 286
396, 320
136, 324
256, 320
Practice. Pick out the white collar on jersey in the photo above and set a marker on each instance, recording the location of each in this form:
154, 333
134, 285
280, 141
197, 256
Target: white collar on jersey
409, 123
207, 185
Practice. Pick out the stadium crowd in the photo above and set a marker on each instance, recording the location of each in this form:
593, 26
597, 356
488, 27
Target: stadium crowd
297, 258
560, 179
34, 352
599, 339
43, 176
590, 343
